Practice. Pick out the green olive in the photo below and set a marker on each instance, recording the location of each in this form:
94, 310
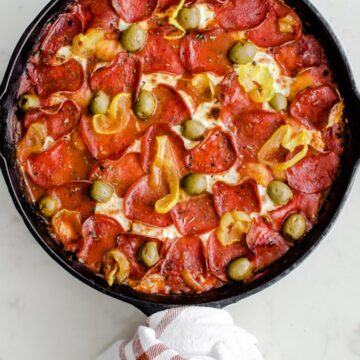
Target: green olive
193, 130
145, 105
100, 103
189, 18
149, 254
279, 102
101, 191
48, 206
295, 226
28, 101
240, 269
133, 38
279, 192
194, 184
242, 53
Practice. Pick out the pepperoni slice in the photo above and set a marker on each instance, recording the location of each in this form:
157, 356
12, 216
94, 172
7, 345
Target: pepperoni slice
268, 34
215, 154
184, 254
307, 204
103, 146
334, 139
60, 34
171, 107
139, 203
202, 52
220, 256
242, 197
122, 76
134, 10
99, 236
49, 79
121, 173
314, 173
99, 14
60, 164
242, 14
195, 215
148, 147
267, 244
74, 196
59, 120
252, 129
130, 246
233, 96
161, 55
313, 106
303, 53
164, 4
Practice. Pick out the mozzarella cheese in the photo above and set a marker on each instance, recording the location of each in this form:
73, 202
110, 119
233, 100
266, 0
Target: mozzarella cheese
207, 14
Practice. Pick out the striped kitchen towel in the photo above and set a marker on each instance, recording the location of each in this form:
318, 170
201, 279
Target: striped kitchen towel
187, 333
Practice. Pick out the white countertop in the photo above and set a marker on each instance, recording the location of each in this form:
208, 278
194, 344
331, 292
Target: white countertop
314, 313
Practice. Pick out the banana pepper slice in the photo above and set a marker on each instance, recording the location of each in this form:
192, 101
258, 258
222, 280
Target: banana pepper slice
84, 45
116, 268
117, 117
173, 21
164, 168
233, 225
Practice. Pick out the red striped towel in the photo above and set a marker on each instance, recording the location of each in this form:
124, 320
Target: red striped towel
187, 333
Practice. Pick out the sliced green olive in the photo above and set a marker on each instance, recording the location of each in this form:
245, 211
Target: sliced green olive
189, 18
279, 192
295, 226
194, 184
100, 103
133, 38
149, 254
242, 53
193, 130
28, 101
145, 105
240, 269
101, 191
48, 206
279, 102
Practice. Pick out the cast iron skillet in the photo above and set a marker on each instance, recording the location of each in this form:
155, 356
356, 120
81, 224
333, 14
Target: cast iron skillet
314, 22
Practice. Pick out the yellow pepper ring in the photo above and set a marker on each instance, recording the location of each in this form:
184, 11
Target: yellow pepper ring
173, 21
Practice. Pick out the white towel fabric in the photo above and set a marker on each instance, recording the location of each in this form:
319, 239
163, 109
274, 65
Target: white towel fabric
187, 333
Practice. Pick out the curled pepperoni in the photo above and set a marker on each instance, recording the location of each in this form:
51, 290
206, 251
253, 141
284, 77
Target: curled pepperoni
60, 34
139, 203
60, 164
307, 204
171, 107
48, 79
303, 53
102, 146
99, 236
314, 173
242, 197
148, 147
220, 256
313, 106
252, 129
268, 34
184, 254
74, 196
59, 120
121, 173
99, 14
267, 244
134, 10
215, 154
334, 139
201, 52
161, 55
233, 96
242, 14
195, 215
121, 76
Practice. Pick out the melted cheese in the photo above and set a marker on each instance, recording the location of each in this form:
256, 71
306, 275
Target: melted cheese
231, 177
207, 15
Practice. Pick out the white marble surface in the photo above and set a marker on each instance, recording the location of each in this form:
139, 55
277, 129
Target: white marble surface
45, 313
